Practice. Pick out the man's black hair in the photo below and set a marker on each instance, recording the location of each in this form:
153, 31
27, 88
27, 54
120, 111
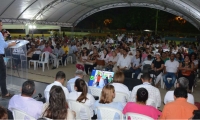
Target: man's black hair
28, 88
146, 76
180, 93
60, 75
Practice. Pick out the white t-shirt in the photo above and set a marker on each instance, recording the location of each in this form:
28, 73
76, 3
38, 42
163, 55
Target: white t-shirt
122, 88
169, 97
89, 102
124, 62
171, 67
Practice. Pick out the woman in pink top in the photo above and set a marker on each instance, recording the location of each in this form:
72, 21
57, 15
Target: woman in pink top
140, 106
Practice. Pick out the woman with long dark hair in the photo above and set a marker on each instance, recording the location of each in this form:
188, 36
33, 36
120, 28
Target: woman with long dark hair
136, 63
81, 95
57, 107
179, 57
186, 69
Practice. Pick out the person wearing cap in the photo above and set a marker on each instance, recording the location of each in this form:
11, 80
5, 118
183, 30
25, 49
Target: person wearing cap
78, 74
170, 71
3, 45
183, 83
154, 93
157, 68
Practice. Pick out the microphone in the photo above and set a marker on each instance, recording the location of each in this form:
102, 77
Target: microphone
38, 96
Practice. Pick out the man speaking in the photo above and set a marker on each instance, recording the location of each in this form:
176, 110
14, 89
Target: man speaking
3, 45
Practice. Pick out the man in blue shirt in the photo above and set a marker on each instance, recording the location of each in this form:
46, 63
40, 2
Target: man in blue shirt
3, 45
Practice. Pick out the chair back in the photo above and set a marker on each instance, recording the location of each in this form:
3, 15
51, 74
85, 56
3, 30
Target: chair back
151, 102
108, 113
37, 52
45, 57
136, 116
95, 91
78, 107
20, 115
120, 97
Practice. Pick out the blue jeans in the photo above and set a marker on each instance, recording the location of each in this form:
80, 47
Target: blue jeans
136, 71
171, 82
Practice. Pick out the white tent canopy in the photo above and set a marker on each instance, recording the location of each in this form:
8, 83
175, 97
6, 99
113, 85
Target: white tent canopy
70, 12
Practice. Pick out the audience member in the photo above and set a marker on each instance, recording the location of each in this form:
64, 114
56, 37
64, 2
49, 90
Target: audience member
106, 99
170, 71
25, 102
59, 52
136, 63
154, 92
186, 70
49, 49
72, 52
65, 48
140, 106
118, 81
82, 59
124, 61
3, 114
157, 68
57, 107
59, 81
180, 108
183, 83
81, 95
112, 61
91, 61
78, 74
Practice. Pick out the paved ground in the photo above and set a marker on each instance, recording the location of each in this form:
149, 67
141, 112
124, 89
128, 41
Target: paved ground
48, 76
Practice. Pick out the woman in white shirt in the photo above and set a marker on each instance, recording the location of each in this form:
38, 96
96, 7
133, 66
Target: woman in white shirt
118, 81
81, 95
112, 61
106, 100
82, 59
104, 55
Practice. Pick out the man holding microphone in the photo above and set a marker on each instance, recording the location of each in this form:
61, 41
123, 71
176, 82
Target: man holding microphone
3, 45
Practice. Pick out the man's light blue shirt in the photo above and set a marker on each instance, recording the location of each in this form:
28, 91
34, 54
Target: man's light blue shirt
71, 81
3, 44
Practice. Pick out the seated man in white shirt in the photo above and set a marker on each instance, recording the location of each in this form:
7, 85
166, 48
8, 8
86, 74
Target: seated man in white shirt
70, 83
170, 71
60, 80
182, 82
124, 61
154, 93
25, 102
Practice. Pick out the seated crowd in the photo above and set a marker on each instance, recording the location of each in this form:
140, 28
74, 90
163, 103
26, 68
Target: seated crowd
144, 99
156, 60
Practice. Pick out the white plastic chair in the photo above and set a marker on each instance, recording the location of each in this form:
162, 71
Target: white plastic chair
95, 91
151, 102
20, 115
34, 61
69, 58
108, 113
120, 97
136, 116
77, 107
44, 60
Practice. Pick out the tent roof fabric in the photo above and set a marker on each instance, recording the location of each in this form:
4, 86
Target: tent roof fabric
71, 12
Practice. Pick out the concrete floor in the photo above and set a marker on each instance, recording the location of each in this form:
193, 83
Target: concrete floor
44, 78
